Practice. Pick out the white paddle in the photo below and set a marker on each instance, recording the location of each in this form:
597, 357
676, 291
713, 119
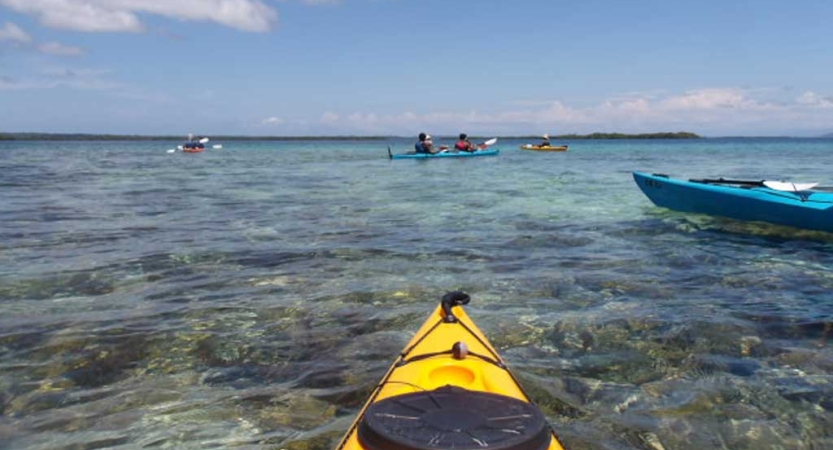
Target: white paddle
486, 144
790, 187
217, 147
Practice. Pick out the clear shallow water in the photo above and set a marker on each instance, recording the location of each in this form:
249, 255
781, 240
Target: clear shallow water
251, 297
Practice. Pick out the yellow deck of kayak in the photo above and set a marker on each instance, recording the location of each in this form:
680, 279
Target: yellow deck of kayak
559, 148
431, 373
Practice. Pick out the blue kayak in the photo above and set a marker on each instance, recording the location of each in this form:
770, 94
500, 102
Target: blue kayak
741, 200
445, 154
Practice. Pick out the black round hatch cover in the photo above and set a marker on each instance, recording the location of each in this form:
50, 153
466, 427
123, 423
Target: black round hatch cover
453, 418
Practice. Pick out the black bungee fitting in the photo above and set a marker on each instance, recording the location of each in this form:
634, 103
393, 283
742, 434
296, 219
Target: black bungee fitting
451, 417
454, 298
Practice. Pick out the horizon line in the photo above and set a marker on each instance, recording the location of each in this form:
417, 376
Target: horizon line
33, 135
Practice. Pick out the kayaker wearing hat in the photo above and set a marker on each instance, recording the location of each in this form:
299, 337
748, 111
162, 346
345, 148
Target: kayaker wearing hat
546, 141
425, 144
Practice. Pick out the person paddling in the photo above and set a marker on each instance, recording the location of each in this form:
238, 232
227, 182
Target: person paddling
425, 144
464, 145
546, 141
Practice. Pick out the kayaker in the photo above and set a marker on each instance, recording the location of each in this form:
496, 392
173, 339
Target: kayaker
464, 145
425, 144
545, 142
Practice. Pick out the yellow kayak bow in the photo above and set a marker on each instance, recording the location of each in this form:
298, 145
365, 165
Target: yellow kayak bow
449, 389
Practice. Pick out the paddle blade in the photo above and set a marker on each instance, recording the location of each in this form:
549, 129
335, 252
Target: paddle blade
171, 150
787, 186
217, 147
179, 147
487, 143
203, 140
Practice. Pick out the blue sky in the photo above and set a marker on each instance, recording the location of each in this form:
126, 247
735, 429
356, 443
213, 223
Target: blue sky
381, 67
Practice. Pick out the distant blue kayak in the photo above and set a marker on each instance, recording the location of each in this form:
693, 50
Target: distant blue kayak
446, 154
741, 200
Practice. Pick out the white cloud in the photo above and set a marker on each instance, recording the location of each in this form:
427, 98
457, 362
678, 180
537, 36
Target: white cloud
272, 121
707, 111
706, 99
812, 99
65, 72
21, 39
330, 117
13, 33
123, 15
83, 79
56, 48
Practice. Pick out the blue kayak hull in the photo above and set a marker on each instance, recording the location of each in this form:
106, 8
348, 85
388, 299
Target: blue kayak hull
493, 152
812, 210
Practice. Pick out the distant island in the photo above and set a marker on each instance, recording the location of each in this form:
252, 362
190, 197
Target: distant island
677, 135
138, 137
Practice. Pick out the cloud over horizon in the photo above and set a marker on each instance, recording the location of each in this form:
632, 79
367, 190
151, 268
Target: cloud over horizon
705, 111
810, 98
56, 48
123, 15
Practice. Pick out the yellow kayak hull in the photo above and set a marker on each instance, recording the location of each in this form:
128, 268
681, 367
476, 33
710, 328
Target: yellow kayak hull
559, 148
427, 364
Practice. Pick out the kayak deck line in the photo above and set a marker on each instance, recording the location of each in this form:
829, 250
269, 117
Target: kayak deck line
760, 186
446, 369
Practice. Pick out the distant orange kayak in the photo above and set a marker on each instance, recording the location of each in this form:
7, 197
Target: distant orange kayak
549, 148
449, 389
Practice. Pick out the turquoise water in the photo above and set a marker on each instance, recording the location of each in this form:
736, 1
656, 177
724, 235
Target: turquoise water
251, 297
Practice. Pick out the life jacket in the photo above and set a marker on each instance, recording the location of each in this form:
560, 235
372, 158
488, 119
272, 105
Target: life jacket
421, 148
462, 145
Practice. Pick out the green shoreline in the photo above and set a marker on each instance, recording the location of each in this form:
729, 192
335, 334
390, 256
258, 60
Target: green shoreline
136, 137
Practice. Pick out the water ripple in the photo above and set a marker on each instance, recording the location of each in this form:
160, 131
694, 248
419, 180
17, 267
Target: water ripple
253, 297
